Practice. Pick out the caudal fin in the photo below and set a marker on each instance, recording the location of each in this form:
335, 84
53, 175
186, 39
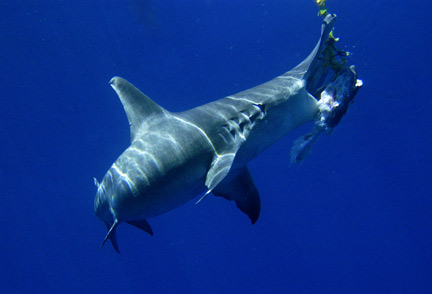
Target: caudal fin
112, 236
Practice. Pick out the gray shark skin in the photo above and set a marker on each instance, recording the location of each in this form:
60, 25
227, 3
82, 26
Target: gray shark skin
176, 157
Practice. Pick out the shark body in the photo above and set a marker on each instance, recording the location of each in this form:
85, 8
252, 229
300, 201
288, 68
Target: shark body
175, 157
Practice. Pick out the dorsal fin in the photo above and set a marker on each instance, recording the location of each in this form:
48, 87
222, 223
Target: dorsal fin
135, 103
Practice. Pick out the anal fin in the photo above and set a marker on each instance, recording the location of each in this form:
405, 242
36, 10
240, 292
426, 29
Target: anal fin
241, 188
142, 224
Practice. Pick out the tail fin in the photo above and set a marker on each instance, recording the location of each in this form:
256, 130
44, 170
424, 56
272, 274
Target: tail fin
112, 236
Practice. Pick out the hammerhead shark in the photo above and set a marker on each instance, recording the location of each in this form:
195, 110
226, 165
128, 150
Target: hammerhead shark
176, 157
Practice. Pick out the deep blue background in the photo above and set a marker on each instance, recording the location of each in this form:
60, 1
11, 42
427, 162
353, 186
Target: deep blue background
356, 217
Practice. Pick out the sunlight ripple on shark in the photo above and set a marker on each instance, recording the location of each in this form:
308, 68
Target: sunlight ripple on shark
176, 157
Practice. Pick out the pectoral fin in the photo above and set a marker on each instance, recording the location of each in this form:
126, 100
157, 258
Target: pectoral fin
220, 167
241, 188
218, 170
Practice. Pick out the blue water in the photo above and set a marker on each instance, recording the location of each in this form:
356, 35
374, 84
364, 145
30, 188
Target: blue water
356, 217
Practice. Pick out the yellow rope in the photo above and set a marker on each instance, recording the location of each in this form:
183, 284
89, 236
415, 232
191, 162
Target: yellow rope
322, 7
333, 57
